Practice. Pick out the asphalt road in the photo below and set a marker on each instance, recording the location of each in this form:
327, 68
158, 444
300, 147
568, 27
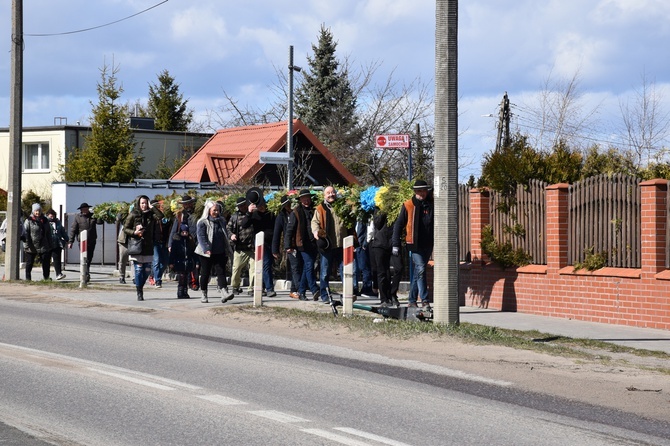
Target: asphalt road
98, 377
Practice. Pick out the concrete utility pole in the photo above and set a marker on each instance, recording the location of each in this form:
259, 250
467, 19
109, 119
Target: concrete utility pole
15, 137
445, 252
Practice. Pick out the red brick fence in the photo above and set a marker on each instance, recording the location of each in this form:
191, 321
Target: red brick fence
626, 296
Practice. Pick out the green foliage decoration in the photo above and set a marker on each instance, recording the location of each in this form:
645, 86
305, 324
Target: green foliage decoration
592, 260
502, 253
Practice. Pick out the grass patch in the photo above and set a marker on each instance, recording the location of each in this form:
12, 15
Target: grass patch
364, 325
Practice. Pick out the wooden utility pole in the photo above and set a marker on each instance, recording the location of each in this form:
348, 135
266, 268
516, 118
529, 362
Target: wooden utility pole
503, 124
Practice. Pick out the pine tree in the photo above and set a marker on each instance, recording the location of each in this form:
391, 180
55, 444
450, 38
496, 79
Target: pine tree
167, 105
108, 154
325, 101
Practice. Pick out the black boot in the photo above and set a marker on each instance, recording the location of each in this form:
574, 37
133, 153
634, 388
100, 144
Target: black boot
140, 293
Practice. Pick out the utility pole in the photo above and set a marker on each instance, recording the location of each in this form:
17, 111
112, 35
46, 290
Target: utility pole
503, 124
445, 192
289, 132
15, 138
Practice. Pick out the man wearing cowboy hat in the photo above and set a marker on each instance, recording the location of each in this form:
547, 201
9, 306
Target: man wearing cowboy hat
241, 233
84, 221
281, 225
416, 220
299, 241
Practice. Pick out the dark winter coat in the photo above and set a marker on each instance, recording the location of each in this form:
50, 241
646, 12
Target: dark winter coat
84, 222
58, 235
37, 232
147, 219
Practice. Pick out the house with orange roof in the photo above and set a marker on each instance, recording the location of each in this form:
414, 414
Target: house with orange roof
231, 156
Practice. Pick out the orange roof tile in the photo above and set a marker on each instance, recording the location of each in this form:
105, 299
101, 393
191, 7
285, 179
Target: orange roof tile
231, 155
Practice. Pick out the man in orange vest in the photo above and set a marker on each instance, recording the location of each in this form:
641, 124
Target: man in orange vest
416, 221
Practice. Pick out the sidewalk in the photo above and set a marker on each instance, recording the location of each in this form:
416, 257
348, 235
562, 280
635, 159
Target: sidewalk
640, 338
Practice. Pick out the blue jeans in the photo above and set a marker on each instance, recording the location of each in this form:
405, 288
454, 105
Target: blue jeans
161, 256
308, 280
362, 265
142, 271
419, 286
268, 259
328, 259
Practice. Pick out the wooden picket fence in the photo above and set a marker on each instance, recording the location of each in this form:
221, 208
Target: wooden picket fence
521, 219
604, 218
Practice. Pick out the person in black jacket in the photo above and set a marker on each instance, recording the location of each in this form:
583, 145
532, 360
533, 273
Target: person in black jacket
263, 220
281, 225
299, 238
85, 221
58, 242
241, 234
140, 224
380, 256
415, 220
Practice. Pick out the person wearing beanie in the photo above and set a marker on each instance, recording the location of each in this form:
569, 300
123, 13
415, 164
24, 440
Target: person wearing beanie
416, 220
38, 242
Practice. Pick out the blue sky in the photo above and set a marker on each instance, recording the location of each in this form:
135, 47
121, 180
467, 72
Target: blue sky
210, 46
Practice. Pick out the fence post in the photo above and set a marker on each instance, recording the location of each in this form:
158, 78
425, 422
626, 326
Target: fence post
557, 226
258, 270
83, 258
480, 216
653, 194
348, 276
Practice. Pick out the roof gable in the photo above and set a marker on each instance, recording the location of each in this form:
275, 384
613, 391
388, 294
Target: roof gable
231, 155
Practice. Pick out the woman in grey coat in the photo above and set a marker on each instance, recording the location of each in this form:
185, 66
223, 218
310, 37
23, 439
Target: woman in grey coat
38, 242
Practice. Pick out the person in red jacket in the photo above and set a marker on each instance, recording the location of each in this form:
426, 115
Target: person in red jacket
415, 220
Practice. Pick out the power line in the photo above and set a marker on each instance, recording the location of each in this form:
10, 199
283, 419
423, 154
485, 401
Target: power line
96, 27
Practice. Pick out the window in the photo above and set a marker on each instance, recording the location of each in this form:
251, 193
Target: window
36, 156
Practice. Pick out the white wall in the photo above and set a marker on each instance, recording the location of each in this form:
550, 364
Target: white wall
66, 198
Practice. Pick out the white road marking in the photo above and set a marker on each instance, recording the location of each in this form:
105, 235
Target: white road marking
370, 436
278, 416
131, 379
334, 437
98, 366
221, 400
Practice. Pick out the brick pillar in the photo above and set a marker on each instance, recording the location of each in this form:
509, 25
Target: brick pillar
653, 194
480, 216
557, 226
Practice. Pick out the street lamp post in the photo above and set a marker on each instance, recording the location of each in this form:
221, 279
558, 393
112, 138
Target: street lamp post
289, 133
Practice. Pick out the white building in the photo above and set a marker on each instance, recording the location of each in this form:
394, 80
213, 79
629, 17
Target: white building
45, 149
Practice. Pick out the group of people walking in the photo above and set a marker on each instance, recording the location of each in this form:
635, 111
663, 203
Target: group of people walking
44, 239
196, 250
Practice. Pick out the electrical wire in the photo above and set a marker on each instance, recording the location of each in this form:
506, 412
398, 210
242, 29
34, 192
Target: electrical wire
96, 27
